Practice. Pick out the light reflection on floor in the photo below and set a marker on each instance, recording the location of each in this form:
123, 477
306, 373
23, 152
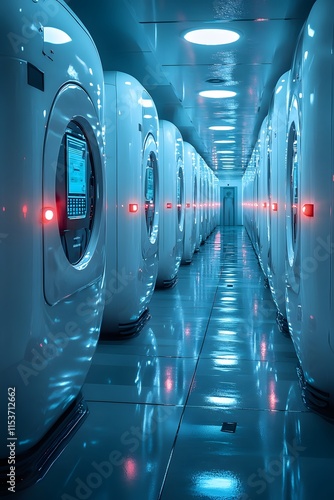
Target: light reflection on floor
211, 353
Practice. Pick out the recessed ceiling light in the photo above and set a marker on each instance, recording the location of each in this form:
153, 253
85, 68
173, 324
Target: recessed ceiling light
226, 152
216, 94
227, 141
211, 36
221, 127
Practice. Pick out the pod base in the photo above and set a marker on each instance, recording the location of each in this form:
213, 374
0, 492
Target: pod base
32, 465
315, 399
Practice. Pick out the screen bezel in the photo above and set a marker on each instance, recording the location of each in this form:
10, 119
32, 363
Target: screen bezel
73, 195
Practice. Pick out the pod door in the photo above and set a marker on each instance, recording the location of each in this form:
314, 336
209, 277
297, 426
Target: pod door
292, 261
151, 198
293, 208
74, 188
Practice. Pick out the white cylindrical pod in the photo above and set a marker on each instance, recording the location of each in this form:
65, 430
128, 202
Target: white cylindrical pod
52, 221
171, 203
132, 135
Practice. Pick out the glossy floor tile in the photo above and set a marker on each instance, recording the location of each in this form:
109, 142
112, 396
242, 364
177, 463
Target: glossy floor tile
272, 455
139, 379
113, 455
244, 384
204, 403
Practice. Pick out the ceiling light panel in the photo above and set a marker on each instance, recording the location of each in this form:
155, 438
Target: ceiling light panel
211, 36
217, 94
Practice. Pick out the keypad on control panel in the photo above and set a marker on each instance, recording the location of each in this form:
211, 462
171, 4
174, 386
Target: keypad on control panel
76, 207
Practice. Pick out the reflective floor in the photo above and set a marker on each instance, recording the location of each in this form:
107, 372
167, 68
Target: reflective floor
204, 403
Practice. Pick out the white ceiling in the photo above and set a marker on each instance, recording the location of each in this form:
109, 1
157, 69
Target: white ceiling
144, 38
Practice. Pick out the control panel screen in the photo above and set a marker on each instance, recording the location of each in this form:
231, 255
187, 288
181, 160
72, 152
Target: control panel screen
149, 184
76, 160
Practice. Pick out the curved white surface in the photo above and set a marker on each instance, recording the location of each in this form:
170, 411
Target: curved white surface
276, 158
172, 184
262, 207
309, 259
190, 220
46, 350
132, 136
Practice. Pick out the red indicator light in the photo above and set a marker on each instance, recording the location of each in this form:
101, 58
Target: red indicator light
308, 209
179, 205
274, 207
169, 380
133, 207
187, 205
24, 211
169, 205
48, 214
264, 205
130, 467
